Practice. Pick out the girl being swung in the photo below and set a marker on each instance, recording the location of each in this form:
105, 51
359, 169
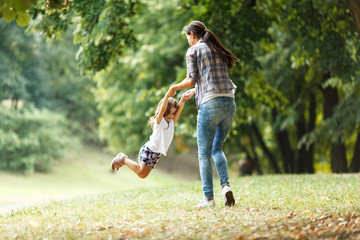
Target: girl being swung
162, 123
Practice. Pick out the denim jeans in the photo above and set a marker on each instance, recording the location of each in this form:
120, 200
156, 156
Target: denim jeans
213, 124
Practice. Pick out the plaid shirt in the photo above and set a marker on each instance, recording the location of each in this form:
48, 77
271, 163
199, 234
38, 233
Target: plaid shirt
208, 71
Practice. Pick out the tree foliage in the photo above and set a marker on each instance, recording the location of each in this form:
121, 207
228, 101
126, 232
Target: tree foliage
128, 91
101, 29
30, 139
298, 76
48, 101
16, 9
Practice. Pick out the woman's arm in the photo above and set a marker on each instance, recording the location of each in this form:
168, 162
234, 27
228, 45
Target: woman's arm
162, 108
186, 83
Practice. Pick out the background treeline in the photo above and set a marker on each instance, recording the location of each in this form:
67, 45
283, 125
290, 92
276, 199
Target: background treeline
46, 105
298, 96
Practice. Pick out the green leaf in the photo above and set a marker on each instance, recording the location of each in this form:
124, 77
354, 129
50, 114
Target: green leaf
23, 19
22, 5
9, 14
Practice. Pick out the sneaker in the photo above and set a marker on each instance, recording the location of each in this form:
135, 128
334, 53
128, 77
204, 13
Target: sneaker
228, 196
118, 161
205, 203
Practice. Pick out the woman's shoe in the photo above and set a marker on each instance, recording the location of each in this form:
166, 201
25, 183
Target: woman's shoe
205, 203
228, 196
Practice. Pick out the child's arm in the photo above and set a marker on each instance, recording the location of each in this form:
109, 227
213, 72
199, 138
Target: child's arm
163, 108
184, 98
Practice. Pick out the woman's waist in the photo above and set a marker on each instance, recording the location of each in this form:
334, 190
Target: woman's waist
211, 95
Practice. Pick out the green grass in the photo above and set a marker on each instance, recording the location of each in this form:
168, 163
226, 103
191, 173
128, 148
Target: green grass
83, 171
86, 201
268, 207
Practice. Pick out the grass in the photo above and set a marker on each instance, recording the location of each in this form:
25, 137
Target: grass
159, 207
82, 171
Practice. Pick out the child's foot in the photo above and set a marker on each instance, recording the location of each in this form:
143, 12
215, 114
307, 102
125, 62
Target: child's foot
118, 161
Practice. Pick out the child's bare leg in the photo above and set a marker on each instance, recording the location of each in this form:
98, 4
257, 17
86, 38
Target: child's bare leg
142, 170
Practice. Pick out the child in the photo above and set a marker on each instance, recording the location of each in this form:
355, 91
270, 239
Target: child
166, 115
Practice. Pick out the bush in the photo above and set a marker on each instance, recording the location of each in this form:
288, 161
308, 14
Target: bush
31, 138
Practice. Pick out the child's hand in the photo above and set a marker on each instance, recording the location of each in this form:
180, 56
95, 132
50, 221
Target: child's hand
183, 98
187, 95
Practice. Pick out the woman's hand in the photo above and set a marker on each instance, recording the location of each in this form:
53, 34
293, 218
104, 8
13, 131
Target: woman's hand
186, 83
172, 91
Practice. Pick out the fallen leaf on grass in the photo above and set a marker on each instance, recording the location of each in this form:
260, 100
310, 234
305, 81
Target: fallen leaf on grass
291, 215
254, 209
79, 223
297, 235
240, 238
128, 232
102, 228
305, 212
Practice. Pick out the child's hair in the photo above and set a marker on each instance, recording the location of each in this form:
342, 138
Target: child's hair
199, 29
171, 103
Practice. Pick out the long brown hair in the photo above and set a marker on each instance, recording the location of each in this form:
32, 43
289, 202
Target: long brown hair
171, 103
199, 29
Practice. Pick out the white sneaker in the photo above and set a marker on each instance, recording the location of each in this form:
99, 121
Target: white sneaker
228, 196
205, 203
118, 161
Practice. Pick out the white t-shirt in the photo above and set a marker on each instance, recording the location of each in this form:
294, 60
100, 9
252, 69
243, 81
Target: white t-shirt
162, 136
210, 95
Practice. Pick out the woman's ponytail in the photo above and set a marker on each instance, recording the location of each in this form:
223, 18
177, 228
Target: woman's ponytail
199, 29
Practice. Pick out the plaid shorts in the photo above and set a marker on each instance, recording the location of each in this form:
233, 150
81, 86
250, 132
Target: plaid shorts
148, 157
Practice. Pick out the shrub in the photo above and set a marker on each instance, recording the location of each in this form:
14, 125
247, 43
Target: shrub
31, 138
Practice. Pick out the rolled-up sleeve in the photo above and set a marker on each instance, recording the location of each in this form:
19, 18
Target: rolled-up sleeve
191, 65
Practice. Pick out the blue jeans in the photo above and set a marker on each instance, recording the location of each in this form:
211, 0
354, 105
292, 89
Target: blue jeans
213, 124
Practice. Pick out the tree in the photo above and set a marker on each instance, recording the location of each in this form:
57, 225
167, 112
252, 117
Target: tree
354, 6
297, 79
306, 47
101, 29
330, 51
128, 91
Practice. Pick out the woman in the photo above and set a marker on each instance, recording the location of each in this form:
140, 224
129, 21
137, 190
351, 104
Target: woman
207, 69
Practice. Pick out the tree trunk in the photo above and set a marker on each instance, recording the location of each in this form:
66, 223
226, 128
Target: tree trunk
247, 165
311, 126
305, 158
256, 158
264, 148
287, 152
338, 151
354, 6
338, 158
301, 131
355, 161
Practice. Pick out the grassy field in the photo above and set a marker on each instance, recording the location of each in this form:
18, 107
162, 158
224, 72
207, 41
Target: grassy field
82, 171
160, 207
